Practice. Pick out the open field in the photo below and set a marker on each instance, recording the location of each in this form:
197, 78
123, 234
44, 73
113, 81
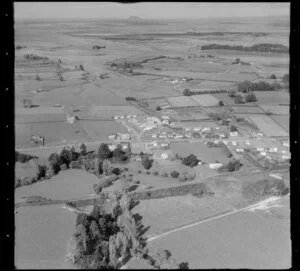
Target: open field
54, 132
204, 153
100, 130
69, 184
268, 126
182, 101
276, 109
283, 121
272, 97
205, 100
107, 111
223, 238
245, 109
41, 237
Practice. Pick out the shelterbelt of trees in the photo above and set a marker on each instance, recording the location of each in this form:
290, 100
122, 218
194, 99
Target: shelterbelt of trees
261, 47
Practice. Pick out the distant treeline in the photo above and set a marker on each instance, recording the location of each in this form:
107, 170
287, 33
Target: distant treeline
261, 47
247, 86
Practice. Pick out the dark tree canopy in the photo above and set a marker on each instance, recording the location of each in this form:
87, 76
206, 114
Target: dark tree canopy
104, 151
190, 160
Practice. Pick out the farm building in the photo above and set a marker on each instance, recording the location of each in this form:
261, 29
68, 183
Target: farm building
239, 150
113, 136
215, 165
153, 120
123, 136
233, 133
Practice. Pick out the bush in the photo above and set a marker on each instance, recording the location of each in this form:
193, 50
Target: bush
174, 174
238, 99
130, 99
233, 128
104, 152
55, 162
250, 98
27, 103
187, 92
158, 108
147, 163
117, 171
190, 160
83, 150
221, 103
232, 93
23, 158
155, 173
165, 175
273, 76
233, 165
75, 165
63, 167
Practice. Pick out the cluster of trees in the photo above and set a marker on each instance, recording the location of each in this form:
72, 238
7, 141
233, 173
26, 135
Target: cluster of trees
19, 47
147, 162
250, 97
97, 164
220, 115
190, 160
108, 239
27, 103
233, 165
131, 99
247, 86
23, 158
35, 57
188, 92
261, 47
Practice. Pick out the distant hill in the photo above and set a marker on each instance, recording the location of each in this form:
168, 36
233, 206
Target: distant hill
134, 18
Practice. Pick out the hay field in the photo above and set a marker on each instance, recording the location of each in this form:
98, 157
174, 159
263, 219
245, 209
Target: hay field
240, 109
276, 109
181, 101
100, 130
205, 100
108, 111
283, 121
268, 126
54, 132
272, 97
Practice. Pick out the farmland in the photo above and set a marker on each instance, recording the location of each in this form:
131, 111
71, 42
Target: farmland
268, 126
155, 113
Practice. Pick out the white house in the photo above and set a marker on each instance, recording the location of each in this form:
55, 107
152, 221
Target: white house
286, 144
263, 153
165, 117
116, 117
239, 150
113, 136
154, 136
164, 156
260, 149
234, 143
248, 143
215, 165
233, 133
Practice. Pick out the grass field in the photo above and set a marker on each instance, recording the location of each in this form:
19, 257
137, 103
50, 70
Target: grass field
181, 101
41, 236
204, 153
283, 121
272, 97
240, 109
108, 111
276, 109
100, 130
268, 126
54, 132
205, 100
68, 184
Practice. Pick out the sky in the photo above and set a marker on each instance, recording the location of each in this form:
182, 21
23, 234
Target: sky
146, 10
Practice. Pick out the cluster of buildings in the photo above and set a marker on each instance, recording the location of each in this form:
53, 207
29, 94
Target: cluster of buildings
125, 146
